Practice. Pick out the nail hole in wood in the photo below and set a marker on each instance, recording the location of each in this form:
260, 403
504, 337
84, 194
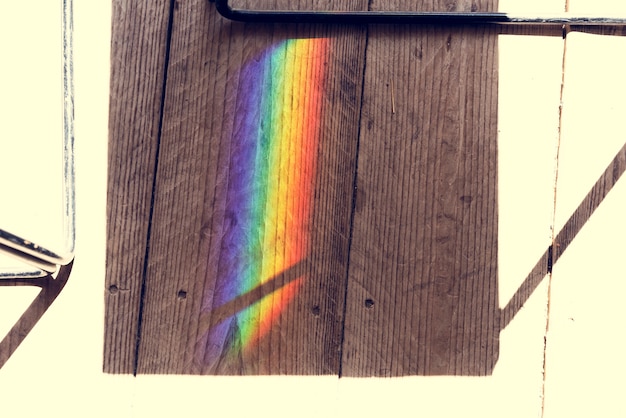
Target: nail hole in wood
369, 303
182, 294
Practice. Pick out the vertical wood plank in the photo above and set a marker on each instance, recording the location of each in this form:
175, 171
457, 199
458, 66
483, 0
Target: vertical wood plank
139, 38
195, 319
422, 294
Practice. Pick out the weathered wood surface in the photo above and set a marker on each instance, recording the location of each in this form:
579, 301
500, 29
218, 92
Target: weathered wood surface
199, 158
399, 276
138, 52
422, 295
201, 108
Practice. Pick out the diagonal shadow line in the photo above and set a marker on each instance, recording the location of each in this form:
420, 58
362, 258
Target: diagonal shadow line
50, 288
211, 318
570, 230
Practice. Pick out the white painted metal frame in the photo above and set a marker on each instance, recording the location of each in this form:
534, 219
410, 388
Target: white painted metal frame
44, 261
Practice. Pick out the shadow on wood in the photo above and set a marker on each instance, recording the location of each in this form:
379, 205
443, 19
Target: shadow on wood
231, 359
221, 313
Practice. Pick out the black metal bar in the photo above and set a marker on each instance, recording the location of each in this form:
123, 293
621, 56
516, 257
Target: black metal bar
354, 17
408, 17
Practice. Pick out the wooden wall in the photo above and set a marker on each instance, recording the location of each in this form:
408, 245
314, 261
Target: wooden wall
383, 260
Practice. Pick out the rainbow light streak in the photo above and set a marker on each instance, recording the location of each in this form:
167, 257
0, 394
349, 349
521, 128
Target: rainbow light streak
271, 185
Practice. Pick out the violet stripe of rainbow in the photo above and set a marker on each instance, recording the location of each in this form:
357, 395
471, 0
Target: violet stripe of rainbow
271, 184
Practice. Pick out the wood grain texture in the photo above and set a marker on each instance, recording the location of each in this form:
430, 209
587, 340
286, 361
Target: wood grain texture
139, 39
422, 295
204, 105
400, 277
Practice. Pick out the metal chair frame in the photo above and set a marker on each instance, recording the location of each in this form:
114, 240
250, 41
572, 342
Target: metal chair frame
410, 17
44, 261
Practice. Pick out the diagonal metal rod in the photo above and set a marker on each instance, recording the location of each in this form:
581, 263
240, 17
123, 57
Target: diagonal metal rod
411, 17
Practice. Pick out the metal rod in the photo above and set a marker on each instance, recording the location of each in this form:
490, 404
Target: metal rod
42, 260
410, 17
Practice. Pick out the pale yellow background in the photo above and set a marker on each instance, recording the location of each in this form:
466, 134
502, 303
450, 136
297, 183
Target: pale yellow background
31, 124
57, 370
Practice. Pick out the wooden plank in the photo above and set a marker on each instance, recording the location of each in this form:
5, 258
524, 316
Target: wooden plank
138, 50
422, 293
238, 198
